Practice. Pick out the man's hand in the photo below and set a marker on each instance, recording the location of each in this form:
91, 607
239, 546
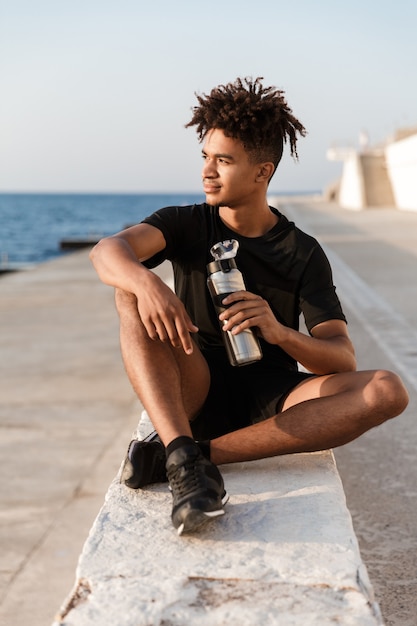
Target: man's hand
117, 260
163, 314
246, 310
328, 349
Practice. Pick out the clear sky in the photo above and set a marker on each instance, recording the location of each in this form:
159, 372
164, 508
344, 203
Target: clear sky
95, 93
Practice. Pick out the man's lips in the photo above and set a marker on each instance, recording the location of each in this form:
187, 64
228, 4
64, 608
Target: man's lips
210, 188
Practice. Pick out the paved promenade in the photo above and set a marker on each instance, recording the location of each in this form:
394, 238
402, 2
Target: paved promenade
66, 415
374, 257
67, 411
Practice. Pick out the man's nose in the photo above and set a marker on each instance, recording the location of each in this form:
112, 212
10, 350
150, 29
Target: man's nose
209, 169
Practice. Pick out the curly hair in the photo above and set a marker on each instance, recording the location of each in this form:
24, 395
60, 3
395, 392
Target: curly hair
257, 116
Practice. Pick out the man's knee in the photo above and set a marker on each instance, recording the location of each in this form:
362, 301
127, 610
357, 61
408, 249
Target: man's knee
124, 300
388, 393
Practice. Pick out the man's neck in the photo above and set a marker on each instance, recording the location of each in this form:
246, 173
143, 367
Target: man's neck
249, 221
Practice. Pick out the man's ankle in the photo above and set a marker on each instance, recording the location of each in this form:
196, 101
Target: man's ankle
178, 442
205, 448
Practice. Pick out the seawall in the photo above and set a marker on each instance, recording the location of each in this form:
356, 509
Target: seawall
284, 553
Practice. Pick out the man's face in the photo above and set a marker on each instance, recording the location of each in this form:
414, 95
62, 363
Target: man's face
228, 176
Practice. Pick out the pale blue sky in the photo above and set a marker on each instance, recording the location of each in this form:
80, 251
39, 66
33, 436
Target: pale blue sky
95, 93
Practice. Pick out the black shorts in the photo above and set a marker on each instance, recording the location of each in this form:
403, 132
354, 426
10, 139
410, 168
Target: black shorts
241, 396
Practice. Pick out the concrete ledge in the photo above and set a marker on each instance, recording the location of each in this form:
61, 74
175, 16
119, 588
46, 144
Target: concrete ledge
285, 553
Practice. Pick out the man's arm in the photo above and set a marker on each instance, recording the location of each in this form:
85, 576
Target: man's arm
327, 351
117, 260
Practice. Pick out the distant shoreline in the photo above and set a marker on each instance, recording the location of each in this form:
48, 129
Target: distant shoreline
37, 227
198, 192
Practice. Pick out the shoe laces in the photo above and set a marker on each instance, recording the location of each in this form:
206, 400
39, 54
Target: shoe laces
187, 478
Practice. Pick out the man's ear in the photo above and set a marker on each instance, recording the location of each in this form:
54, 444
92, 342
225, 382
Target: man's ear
265, 172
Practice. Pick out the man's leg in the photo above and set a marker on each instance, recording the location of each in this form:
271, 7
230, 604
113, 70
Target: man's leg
320, 413
172, 387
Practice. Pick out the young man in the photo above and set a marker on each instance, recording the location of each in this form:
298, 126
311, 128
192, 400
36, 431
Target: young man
205, 411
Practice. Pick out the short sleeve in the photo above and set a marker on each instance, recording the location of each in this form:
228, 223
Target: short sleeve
318, 299
167, 220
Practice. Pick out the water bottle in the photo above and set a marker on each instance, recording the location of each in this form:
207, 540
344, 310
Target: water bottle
223, 279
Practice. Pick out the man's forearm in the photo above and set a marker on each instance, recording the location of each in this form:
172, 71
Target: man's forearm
116, 264
320, 355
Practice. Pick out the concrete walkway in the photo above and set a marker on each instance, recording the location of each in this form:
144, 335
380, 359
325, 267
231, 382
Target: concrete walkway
67, 413
374, 257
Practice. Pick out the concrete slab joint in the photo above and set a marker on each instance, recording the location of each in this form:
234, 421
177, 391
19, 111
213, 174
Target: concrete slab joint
285, 553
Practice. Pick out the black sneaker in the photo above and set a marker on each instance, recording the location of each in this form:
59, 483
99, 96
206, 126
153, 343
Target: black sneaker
144, 463
197, 488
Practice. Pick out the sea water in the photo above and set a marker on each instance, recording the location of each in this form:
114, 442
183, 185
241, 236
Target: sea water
33, 225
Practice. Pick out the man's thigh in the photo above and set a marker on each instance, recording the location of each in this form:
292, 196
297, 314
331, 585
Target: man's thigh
329, 385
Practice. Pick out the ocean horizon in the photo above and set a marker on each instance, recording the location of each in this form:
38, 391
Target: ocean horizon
33, 224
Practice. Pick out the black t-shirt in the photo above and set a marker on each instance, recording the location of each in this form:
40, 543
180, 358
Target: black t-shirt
287, 267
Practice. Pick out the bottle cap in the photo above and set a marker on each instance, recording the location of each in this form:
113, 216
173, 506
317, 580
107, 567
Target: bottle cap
224, 249
221, 265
